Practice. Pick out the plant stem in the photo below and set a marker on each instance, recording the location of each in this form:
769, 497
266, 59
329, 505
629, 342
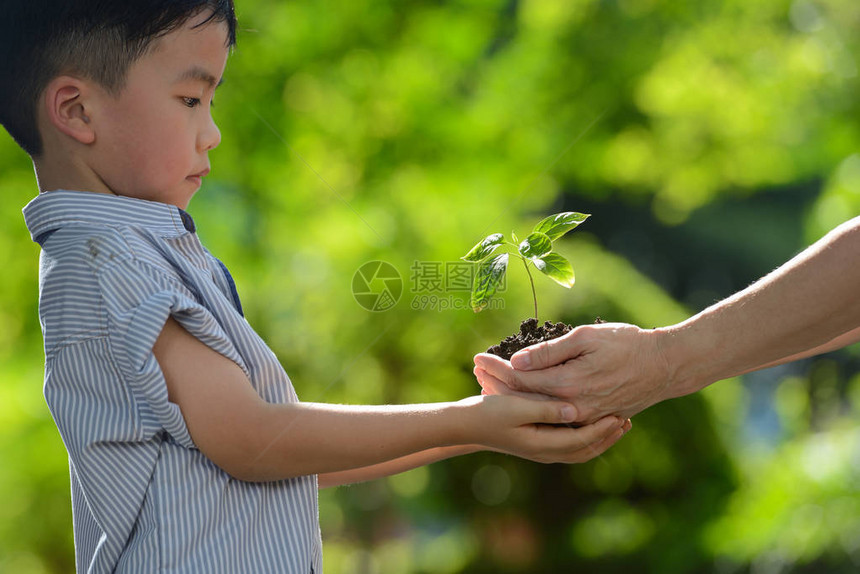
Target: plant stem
532, 281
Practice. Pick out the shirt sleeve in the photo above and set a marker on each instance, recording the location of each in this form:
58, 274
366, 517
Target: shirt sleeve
138, 300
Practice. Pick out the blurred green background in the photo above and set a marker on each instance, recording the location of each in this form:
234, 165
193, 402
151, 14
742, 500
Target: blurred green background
710, 140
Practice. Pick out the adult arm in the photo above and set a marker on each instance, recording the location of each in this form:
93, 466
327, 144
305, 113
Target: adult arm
809, 305
839, 342
258, 441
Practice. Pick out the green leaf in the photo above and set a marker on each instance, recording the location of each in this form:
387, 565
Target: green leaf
557, 225
487, 280
535, 245
483, 249
556, 268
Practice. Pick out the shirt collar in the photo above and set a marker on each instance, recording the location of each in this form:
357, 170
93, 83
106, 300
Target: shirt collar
54, 209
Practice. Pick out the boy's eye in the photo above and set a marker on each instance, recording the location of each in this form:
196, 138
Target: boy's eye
191, 102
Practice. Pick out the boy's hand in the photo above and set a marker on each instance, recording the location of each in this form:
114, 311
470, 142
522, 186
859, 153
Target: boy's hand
254, 440
523, 427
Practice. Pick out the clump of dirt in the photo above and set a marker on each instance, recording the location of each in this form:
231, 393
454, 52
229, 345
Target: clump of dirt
530, 334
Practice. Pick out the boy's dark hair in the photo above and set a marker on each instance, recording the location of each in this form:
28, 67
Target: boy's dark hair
96, 39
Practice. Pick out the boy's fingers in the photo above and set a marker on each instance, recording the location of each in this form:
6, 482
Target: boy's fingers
603, 444
555, 412
573, 445
589, 435
542, 412
596, 449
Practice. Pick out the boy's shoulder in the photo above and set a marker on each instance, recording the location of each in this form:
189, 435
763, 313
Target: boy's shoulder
98, 230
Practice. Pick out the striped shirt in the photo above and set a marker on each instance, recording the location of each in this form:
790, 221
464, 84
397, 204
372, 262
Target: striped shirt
144, 498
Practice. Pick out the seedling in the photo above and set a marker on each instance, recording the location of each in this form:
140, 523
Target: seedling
536, 251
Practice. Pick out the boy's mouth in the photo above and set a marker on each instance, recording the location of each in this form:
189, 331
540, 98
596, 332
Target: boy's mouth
197, 178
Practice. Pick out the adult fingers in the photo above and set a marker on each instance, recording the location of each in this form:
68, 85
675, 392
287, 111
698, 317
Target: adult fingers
548, 353
490, 385
546, 381
484, 379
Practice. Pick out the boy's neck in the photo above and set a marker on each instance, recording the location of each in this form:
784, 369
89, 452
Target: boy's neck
67, 173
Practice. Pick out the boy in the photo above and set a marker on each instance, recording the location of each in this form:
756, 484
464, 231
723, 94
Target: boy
189, 450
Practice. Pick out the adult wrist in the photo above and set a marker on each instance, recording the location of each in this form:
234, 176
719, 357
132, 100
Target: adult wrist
683, 369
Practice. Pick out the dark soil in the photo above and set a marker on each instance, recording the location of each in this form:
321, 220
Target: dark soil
531, 333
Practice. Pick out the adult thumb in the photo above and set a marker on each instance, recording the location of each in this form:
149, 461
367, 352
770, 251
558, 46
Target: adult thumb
546, 353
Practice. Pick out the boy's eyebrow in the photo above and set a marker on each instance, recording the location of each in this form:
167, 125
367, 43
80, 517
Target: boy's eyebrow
199, 74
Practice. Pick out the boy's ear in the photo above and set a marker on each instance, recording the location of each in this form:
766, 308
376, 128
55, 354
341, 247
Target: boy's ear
68, 108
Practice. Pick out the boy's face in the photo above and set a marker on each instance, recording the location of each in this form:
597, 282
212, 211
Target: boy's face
152, 141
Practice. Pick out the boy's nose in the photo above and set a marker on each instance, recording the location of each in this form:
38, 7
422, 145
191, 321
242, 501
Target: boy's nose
210, 137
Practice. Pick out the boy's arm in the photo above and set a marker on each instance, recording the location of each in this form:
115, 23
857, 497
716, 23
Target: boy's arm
395, 466
257, 441
430, 456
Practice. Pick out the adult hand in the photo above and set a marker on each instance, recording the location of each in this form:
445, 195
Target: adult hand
610, 368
